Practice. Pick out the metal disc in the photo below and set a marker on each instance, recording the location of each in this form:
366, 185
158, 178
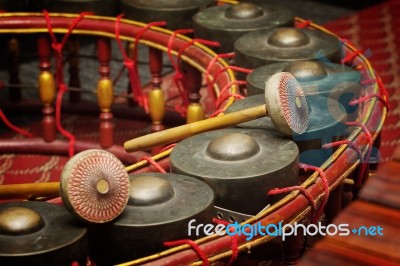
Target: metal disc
55, 239
176, 13
95, 186
159, 209
268, 46
286, 104
326, 123
237, 182
227, 23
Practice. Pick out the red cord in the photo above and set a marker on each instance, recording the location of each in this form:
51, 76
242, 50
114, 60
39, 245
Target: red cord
221, 98
344, 142
306, 194
208, 78
367, 133
324, 180
170, 146
59, 73
305, 24
178, 77
153, 163
13, 127
193, 245
57, 201
369, 97
348, 58
222, 70
234, 246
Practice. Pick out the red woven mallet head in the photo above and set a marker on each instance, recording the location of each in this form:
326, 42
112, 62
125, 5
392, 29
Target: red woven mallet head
286, 104
95, 186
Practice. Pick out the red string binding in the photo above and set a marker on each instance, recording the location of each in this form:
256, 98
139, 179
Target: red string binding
178, 77
344, 142
222, 97
369, 97
305, 24
208, 71
153, 163
59, 73
222, 70
57, 201
170, 146
234, 246
306, 194
13, 127
367, 133
324, 180
193, 245
348, 58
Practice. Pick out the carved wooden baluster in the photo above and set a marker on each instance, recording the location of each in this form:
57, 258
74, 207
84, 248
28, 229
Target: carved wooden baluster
105, 93
156, 95
74, 81
15, 93
130, 48
193, 78
47, 89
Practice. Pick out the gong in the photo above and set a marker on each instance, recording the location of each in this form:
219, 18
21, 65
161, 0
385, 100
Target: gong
40, 233
241, 165
326, 124
336, 81
226, 23
259, 48
98, 7
159, 209
176, 13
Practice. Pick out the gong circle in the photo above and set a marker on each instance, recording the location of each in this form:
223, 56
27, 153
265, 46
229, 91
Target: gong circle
240, 164
159, 209
40, 233
94, 186
226, 23
326, 124
259, 48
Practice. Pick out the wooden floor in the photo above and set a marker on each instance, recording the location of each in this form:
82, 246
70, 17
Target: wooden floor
378, 205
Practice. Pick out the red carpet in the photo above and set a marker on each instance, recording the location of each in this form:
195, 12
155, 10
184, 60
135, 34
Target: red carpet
376, 32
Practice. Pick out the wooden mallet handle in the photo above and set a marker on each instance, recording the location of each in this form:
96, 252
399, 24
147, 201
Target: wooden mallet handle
176, 134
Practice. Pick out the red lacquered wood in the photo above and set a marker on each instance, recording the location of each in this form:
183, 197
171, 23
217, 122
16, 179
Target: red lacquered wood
106, 117
73, 60
334, 204
156, 66
15, 93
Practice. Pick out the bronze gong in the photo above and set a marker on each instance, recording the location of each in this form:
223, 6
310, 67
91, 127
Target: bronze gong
241, 165
40, 233
259, 48
336, 81
159, 209
98, 7
226, 23
176, 13
326, 124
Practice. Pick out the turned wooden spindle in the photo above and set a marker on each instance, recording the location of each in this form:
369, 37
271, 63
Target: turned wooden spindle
47, 89
291, 249
15, 93
105, 93
130, 50
156, 95
73, 60
192, 80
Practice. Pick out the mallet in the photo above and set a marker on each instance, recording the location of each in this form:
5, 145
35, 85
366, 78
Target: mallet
285, 104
